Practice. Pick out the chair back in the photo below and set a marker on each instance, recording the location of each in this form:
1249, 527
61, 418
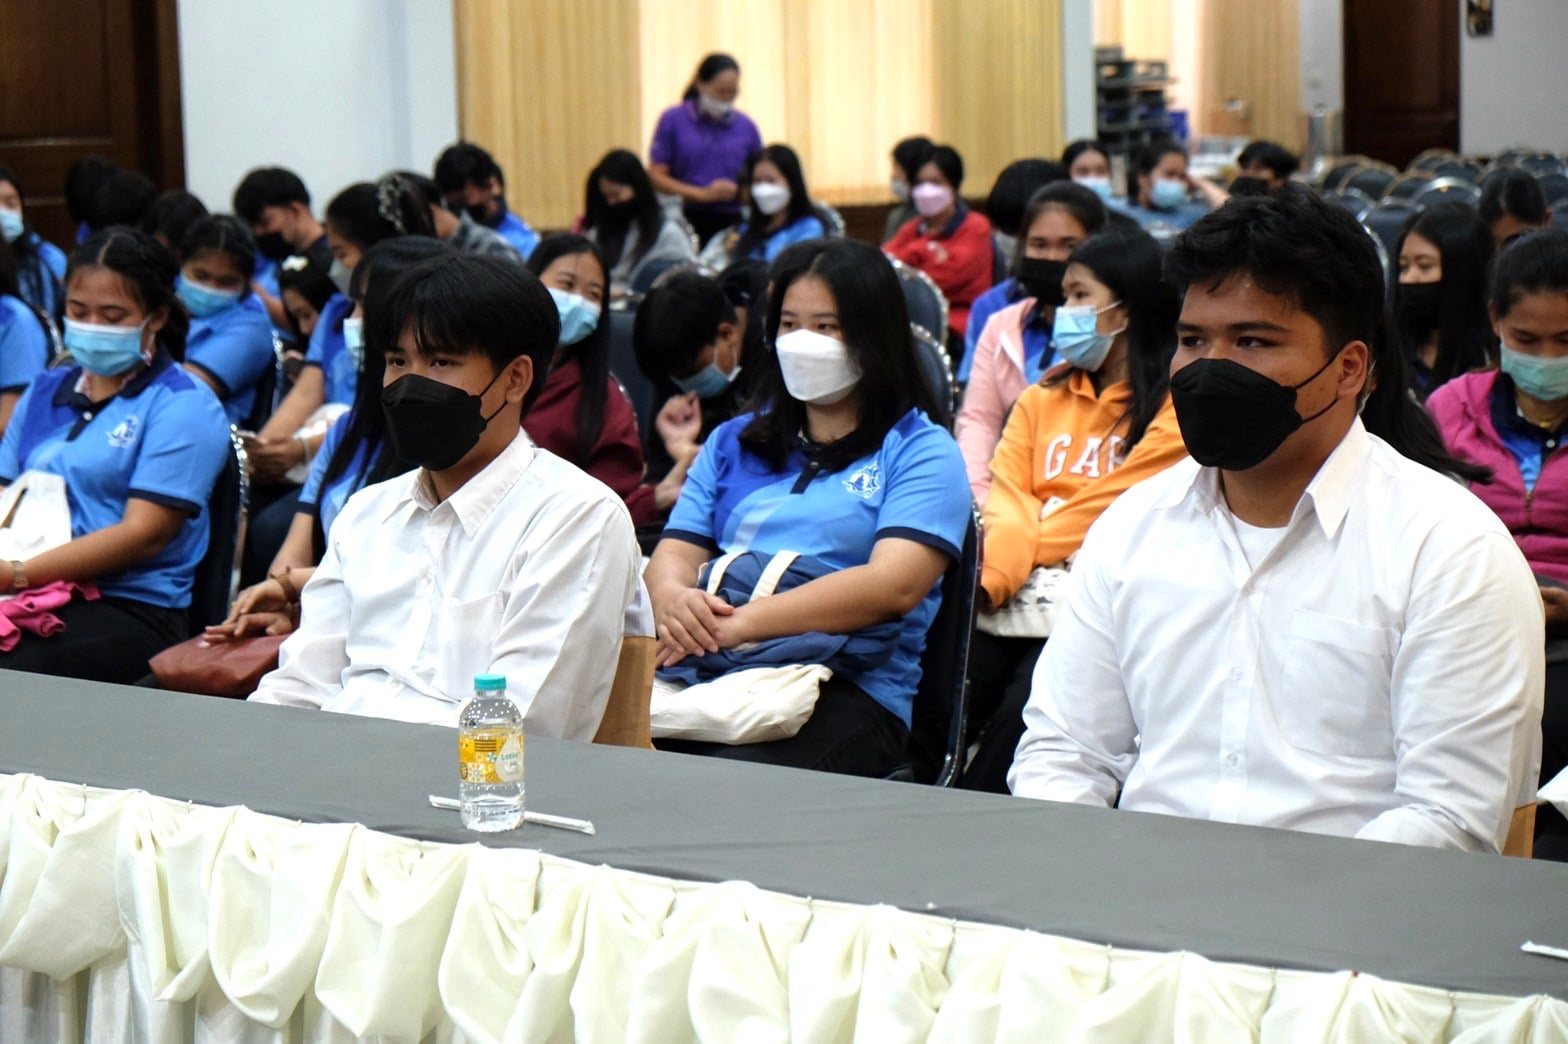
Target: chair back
213, 587
1343, 168
1448, 190
1559, 214
927, 305
623, 365
1374, 181
1408, 186
1353, 201
1430, 160
648, 273
625, 721
1554, 186
832, 220
1387, 221
937, 372
1539, 163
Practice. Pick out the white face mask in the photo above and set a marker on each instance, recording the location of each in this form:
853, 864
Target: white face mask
712, 106
817, 368
770, 198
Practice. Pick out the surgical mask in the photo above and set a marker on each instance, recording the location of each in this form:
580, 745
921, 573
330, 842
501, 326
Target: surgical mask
433, 425
1041, 279
931, 199
1099, 186
1168, 194
900, 189
1537, 376
770, 198
1417, 308
204, 300
816, 368
11, 225
579, 316
106, 351
713, 107
1077, 337
707, 383
1232, 417
354, 341
273, 246
340, 274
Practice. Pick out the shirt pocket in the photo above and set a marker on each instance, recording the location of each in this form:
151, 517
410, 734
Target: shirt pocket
467, 635
1334, 697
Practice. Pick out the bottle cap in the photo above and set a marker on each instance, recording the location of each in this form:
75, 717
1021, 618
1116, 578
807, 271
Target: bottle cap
490, 683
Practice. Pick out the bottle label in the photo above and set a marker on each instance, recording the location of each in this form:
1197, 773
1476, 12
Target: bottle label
488, 756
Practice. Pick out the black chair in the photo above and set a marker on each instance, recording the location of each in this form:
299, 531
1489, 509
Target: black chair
1430, 160
648, 273
937, 372
1354, 203
1539, 163
1408, 186
213, 589
1559, 214
1387, 222
936, 734
1448, 190
832, 220
927, 304
1459, 170
623, 366
1341, 170
1372, 181
1001, 264
1553, 186
266, 399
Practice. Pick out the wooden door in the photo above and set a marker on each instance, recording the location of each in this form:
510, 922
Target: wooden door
1401, 77
79, 77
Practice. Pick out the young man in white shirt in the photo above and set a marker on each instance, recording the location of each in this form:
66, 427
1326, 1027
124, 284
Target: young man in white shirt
492, 556
1299, 627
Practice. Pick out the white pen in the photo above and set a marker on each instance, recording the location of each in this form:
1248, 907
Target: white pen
581, 826
1545, 951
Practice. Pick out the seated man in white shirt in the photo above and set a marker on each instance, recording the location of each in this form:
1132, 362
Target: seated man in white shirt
491, 556
1298, 627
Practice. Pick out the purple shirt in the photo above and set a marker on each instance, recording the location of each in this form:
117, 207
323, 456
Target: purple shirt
699, 150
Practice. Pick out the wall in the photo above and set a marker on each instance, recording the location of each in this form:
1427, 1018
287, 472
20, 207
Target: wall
1078, 100
1512, 84
338, 92
1322, 59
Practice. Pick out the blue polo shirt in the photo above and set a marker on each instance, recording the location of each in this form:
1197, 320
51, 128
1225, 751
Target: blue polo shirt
912, 488
328, 351
797, 231
41, 276
1180, 219
517, 232
24, 346
234, 346
325, 500
163, 438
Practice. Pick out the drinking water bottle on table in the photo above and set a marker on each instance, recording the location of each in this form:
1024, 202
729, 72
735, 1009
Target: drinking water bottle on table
490, 758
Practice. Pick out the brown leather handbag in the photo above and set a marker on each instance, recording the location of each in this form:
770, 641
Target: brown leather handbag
228, 669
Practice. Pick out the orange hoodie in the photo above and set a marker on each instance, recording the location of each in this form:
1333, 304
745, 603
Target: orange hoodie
1063, 446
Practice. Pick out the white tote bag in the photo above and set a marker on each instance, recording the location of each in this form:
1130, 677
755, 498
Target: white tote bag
1031, 612
35, 516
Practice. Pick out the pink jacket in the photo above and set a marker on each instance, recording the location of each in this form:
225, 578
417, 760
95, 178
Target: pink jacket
995, 382
1539, 519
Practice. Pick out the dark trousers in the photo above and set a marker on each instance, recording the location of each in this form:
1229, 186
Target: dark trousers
271, 514
109, 640
708, 223
848, 733
1000, 673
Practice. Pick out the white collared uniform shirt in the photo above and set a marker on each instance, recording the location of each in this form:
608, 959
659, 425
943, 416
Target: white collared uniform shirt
530, 570
1379, 672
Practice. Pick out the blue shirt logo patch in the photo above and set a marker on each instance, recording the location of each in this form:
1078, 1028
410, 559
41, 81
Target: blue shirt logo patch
123, 434
865, 482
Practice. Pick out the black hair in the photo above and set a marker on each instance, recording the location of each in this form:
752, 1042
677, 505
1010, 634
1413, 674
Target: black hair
1148, 158
313, 282
374, 277
1513, 192
268, 187
1295, 245
148, 271
1248, 185
1534, 263
745, 285
1014, 187
1082, 205
1071, 153
174, 213
424, 191
82, 179
123, 198
366, 213
592, 352
911, 154
465, 164
800, 206
875, 326
1464, 331
711, 65
677, 319
1271, 156
1128, 262
624, 168
25, 255
947, 160
10, 286
228, 236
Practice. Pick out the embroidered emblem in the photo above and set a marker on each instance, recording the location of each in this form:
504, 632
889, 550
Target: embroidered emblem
866, 482
123, 434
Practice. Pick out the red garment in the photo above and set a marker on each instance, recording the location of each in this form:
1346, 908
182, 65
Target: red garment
32, 611
960, 259
616, 459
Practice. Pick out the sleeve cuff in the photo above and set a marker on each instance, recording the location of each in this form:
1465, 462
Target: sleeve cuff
166, 500
920, 537
686, 535
224, 391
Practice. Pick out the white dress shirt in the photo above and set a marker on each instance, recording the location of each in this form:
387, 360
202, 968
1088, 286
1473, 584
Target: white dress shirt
1379, 674
530, 570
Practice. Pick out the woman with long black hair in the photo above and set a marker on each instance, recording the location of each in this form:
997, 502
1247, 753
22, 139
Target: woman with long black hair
622, 216
1440, 299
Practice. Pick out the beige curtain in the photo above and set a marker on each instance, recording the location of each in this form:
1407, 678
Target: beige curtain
1251, 53
1142, 28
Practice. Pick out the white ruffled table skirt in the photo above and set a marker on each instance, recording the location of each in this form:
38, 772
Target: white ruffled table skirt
129, 917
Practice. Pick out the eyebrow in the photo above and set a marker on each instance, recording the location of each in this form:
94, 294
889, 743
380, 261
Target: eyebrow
1244, 327
809, 315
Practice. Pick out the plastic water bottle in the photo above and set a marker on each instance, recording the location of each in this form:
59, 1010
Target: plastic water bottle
490, 758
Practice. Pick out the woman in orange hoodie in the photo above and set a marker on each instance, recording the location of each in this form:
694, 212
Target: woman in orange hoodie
1089, 429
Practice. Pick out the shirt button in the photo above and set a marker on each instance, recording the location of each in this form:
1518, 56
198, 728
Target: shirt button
1233, 759
1235, 674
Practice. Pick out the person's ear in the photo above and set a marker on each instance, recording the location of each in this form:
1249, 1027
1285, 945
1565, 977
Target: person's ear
519, 378
157, 320
1355, 363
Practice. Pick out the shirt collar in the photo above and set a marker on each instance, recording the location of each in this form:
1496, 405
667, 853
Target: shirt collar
960, 211
473, 501
1507, 418
70, 392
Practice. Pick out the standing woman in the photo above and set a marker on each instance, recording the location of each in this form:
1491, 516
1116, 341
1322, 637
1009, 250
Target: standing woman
700, 147
40, 265
230, 341
1440, 299
622, 216
139, 444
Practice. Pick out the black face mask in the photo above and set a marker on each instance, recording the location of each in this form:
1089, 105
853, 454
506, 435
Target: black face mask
1417, 307
1232, 417
273, 246
480, 212
1042, 280
433, 425
621, 213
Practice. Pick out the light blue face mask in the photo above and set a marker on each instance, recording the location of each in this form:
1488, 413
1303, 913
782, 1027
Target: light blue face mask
204, 300
354, 341
1099, 186
107, 351
11, 225
579, 316
1168, 194
1535, 375
1077, 339
708, 382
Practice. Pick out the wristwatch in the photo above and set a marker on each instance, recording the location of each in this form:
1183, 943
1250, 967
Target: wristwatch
18, 578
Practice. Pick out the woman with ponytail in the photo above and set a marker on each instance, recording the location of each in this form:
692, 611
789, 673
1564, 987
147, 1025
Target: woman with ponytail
139, 444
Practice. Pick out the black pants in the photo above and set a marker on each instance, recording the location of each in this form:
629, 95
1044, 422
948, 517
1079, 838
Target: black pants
109, 640
1000, 673
709, 223
271, 515
848, 732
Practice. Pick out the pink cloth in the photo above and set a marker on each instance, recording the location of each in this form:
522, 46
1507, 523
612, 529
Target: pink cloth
32, 611
995, 382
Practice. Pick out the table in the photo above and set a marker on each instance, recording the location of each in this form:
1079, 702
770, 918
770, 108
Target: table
1239, 896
